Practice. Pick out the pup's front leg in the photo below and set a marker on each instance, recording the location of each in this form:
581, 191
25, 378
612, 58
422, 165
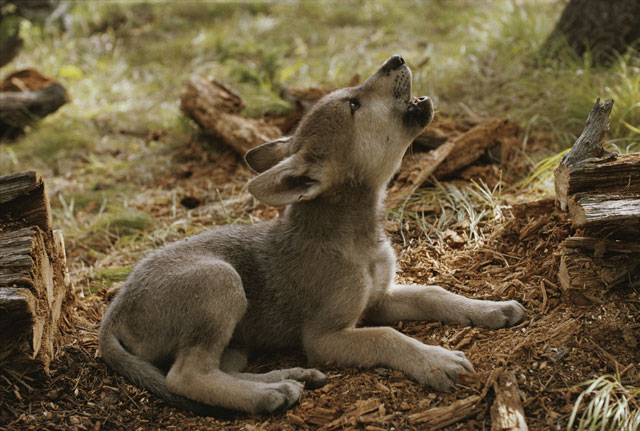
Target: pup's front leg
415, 302
367, 347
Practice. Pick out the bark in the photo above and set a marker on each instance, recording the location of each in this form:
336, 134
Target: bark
604, 28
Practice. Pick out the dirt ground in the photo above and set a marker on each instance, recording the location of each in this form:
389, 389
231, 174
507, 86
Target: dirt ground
564, 341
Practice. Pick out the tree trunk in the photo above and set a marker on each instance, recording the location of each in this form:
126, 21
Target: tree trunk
602, 27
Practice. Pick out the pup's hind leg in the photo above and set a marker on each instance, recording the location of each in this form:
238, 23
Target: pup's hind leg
215, 301
234, 361
413, 302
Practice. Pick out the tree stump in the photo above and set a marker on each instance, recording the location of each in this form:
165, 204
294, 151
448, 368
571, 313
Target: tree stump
601, 192
34, 285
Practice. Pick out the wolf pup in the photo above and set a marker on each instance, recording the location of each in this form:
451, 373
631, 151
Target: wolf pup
189, 314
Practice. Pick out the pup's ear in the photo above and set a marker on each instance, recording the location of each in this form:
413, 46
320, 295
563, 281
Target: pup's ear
287, 182
268, 155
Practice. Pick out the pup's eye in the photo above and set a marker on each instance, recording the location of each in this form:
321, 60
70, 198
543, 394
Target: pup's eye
354, 104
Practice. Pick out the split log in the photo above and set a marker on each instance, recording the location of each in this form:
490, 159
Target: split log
215, 107
614, 174
27, 96
588, 210
600, 246
601, 192
507, 413
34, 285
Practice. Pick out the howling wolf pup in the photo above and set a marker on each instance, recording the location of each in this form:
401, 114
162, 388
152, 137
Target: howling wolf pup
190, 313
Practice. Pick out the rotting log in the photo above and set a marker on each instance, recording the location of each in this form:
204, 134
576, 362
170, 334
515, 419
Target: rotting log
215, 108
507, 413
594, 210
617, 175
34, 286
449, 157
25, 97
583, 270
440, 417
601, 192
472, 145
26, 277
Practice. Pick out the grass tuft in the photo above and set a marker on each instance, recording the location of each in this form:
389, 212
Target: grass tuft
612, 406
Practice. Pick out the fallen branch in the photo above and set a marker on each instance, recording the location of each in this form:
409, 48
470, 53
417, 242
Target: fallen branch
449, 157
215, 107
27, 96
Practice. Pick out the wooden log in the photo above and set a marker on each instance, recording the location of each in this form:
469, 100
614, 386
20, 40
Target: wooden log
507, 413
589, 210
214, 107
33, 277
25, 268
583, 270
586, 149
19, 109
619, 174
440, 417
600, 246
23, 201
470, 146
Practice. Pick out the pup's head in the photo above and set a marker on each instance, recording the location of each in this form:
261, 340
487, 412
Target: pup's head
354, 136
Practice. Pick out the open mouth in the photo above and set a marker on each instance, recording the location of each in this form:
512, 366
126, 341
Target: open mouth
419, 111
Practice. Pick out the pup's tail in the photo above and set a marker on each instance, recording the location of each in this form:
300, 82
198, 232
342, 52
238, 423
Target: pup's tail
145, 375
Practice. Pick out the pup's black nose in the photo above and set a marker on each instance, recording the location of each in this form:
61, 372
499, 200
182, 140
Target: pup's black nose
395, 61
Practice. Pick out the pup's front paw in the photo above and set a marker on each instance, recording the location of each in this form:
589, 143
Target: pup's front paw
277, 397
501, 314
312, 378
439, 368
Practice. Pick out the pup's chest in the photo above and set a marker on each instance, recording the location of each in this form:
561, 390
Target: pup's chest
378, 270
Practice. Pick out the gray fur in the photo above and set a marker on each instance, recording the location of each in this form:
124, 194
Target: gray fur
188, 315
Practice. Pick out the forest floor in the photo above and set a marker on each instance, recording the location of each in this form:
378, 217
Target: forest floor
126, 172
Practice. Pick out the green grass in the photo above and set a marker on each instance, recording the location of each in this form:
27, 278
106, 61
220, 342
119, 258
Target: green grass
611, 406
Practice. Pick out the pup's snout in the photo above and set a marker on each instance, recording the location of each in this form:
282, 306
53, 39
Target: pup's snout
394, 62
